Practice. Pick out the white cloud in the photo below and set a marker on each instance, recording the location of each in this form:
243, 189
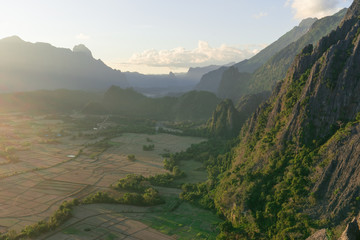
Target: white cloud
203, 55
82, 36
260, 15
315, 8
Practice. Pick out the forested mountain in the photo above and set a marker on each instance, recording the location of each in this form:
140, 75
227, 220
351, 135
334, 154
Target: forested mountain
274, 70
296, 167
225, 120
190, 106
28, 66
211, 81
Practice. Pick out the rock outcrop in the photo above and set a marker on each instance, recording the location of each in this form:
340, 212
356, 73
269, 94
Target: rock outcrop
319, 235
298, 159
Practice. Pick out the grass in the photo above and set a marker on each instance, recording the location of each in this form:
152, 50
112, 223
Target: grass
194, 172
72, 231
49, 159
110, 237
186, 222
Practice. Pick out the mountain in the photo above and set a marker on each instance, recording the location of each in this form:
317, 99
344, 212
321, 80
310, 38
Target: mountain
235, 84
275, 69
28, 66
296, 167
189, 106
225, 120
211, 81
159, 85
263, 56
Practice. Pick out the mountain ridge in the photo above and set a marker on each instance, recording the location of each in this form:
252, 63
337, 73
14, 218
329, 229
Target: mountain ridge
296, 166
48, 67
210, 81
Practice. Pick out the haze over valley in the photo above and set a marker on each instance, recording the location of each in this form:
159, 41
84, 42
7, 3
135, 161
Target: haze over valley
180, 120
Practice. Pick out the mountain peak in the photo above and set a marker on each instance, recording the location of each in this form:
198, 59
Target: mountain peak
307, 22
81, 48
12, 39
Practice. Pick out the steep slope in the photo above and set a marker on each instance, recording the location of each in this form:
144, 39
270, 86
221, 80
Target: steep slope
211, 81
33, 66
225, 120
233, 84
296, 165
274, 70
293, 35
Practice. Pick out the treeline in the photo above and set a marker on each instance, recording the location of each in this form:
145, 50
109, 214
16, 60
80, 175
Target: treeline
59, 217
148, 197
216, 156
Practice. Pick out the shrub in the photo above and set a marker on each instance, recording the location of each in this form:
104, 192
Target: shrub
150, 147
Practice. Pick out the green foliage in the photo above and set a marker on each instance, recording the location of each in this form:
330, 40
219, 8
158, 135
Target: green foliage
225, 121
169, 164
99, 197
131, 157
295, 89
276, 68
162, 180
357, 117
62, 214
127, 102
131, 182
147, 197
149, 147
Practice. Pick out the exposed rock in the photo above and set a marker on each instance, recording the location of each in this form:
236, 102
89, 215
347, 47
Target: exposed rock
297, 143
352, 231
319, 235
225, 121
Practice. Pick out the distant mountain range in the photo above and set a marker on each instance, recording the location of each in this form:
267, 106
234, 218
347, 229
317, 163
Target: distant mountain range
28, 66
264, 70
211, 81
161, 84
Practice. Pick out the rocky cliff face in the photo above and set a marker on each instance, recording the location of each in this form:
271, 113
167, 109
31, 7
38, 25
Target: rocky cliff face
225, 121
298, 158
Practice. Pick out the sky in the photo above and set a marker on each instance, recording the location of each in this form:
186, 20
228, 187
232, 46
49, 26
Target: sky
159, 36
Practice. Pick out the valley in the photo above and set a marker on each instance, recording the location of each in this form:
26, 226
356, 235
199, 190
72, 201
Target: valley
253, 133
49, 161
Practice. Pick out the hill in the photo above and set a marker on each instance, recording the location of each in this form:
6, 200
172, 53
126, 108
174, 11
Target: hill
159, 85
235, 84
29, 66
211, 81
189, 106
296, 167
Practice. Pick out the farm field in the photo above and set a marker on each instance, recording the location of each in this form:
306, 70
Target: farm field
47, 161
115, 221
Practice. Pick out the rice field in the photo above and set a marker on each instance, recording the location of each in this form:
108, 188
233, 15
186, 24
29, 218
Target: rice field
36, 175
